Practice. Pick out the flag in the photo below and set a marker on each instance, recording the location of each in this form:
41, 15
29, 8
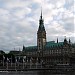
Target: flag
11, 58
37, 59
27, 60
23, 59
7, 59
19, 58
3, 57
15, 59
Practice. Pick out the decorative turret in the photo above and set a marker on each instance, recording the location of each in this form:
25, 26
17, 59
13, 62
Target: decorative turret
65, 40
57, 40
69, 41
23, 48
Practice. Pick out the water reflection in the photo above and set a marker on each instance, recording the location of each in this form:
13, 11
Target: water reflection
55, 73
43, 72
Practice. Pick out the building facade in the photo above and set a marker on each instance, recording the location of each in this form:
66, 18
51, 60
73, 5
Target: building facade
51, 52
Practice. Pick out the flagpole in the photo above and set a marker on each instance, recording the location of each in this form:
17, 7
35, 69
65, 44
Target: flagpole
36, 62
18, 60
23, 62
30, 62
3, 60
11, 61
15, 63
7, 63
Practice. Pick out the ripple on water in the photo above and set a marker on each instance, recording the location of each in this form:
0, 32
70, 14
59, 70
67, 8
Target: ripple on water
33, 73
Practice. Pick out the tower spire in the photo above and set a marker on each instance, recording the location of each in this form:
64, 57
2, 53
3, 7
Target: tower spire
41, 13
41, 23
41, 34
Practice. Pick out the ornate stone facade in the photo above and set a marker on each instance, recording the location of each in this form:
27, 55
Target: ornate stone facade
52, 52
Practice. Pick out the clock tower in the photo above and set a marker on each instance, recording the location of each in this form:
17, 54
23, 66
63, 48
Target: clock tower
41, 35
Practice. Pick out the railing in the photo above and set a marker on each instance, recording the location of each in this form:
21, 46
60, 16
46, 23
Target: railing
25, 66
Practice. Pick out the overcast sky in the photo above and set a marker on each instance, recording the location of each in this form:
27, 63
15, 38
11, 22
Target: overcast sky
19, 21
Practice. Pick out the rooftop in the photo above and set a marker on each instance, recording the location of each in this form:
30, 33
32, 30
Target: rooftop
49, 44
53, 44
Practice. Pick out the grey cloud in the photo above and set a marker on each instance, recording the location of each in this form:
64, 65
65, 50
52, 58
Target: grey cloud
19, 23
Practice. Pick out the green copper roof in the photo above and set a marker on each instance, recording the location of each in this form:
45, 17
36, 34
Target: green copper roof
53, 44
31, 48
50, 44
73, 45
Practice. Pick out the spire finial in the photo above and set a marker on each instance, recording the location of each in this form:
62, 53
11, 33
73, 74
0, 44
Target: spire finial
65, 36
41, 12
69, 41
19, 48
57, 40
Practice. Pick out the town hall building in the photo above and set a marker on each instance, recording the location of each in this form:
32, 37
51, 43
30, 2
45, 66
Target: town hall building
49, 52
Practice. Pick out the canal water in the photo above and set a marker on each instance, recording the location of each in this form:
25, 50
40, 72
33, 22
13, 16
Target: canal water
36, 73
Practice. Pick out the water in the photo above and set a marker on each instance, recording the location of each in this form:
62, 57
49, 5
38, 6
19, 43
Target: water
35, 73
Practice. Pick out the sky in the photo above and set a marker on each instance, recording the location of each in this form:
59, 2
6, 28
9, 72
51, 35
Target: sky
19, 21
